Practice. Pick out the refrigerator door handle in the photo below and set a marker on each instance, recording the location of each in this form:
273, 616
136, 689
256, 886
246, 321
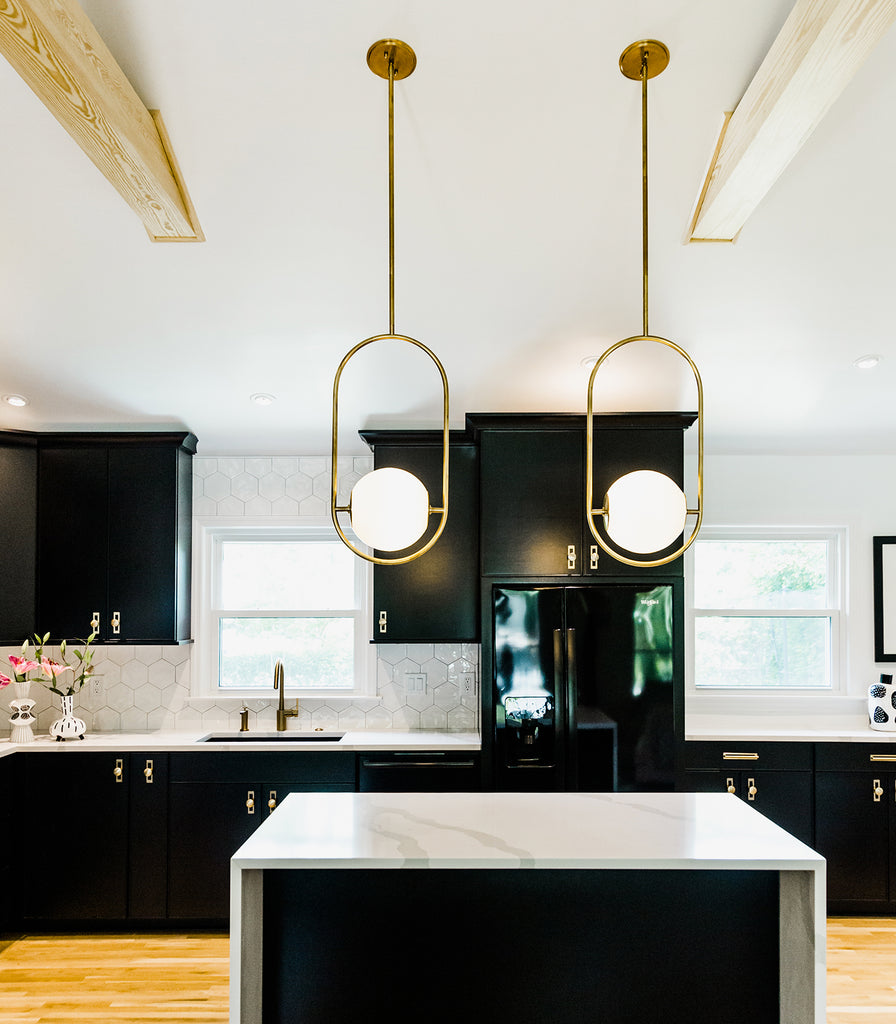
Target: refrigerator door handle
558, 663
572, 752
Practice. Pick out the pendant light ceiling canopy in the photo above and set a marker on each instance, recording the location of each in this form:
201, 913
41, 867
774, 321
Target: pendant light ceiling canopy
644, 511
390, 508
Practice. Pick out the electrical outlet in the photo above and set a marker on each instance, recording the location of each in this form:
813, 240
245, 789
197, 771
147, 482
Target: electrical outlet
467, 684
415, 682
96, 687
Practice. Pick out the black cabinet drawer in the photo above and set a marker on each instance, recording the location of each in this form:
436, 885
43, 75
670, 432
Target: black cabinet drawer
743, 754
311, 766
419, 772
854, 757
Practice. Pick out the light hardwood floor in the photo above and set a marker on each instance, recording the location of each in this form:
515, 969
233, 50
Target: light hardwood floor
164, 978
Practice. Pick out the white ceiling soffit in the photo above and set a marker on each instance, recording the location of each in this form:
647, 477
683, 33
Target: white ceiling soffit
819, 49
57, 51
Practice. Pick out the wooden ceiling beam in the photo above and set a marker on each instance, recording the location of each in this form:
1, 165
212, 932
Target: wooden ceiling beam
819, 49
55, 48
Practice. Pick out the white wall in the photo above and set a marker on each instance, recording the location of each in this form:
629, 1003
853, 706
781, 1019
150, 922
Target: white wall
854, 492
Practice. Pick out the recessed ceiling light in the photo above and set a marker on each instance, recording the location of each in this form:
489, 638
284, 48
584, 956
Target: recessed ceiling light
16, 400
866, 362
260, 398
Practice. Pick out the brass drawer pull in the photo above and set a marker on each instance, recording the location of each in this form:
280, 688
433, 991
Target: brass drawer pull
730, 786
730, 755
883, 757
752, 790
878, 791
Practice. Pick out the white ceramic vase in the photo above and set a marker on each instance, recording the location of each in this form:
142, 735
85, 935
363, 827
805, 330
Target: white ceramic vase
20, 720
68, 727
882, 705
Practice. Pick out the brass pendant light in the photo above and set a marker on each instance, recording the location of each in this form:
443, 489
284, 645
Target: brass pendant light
643, 511
390, 508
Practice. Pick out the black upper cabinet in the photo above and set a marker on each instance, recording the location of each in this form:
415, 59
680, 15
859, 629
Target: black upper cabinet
435, 597
114, 536
18, 536
533, 487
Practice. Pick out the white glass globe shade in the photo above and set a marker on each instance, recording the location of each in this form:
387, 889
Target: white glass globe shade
646, 511
390, 509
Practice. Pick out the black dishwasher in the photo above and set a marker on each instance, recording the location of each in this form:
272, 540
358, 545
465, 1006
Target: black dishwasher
419, 771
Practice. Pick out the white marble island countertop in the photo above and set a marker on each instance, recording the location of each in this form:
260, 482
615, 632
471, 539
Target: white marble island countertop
522, 830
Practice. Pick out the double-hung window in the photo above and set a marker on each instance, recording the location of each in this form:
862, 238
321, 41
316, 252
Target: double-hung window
765, 610
269, 594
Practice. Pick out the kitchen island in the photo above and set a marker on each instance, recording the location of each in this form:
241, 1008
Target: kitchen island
525, 907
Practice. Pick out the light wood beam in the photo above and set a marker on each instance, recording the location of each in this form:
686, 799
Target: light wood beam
821, 46
55, 48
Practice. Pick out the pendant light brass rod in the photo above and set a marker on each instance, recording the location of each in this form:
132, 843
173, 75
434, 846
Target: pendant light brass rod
644, 234
391, 196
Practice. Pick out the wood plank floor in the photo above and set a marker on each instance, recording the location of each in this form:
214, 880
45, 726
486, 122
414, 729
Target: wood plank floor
164, 978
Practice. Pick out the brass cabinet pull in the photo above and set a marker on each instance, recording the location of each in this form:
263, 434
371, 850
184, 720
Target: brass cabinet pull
571, 556
272, 800
116, 623
250, 802
118, 770
731, 755
95, 622
594, 556
147, 771
883, 757
751, 790
730, 785
878, 791
384, 622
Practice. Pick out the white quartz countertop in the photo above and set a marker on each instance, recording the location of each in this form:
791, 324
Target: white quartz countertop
521, 830
190, 741
791, 735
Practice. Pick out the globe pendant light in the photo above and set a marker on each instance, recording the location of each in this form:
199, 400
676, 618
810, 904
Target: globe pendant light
643, 511
390, 508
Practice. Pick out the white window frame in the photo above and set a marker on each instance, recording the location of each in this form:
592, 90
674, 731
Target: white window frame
835, 611
208, 533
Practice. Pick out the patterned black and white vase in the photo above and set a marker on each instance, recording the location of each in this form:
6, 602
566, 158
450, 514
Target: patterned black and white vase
882, 705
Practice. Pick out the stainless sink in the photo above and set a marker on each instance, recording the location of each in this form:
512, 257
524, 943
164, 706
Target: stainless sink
271, 737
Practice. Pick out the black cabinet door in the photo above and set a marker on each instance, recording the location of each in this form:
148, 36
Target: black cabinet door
208, 822
18, 539
533, 502
149, 543
72, 553
8, 848
784, 797
852, 832
148, 836
73, 828
113, 537
434, 598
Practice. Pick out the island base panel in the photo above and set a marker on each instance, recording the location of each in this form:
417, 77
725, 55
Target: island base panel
521, 946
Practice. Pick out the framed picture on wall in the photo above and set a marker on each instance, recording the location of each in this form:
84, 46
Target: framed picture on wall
885, 598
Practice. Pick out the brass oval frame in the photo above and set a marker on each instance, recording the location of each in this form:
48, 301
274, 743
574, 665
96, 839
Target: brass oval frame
590, 511
442, 509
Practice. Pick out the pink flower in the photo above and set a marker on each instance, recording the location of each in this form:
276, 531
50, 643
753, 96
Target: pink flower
22, 666
4, 680
53, 668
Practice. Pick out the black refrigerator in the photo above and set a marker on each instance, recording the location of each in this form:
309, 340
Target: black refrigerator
583, 686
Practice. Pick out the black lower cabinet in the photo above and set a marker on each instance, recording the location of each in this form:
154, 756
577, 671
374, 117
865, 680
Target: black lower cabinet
430, 771
775, 778
73, 835
7, 848
855, 794
216, 801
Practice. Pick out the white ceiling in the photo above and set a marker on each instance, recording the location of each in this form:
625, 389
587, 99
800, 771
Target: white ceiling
517, 220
